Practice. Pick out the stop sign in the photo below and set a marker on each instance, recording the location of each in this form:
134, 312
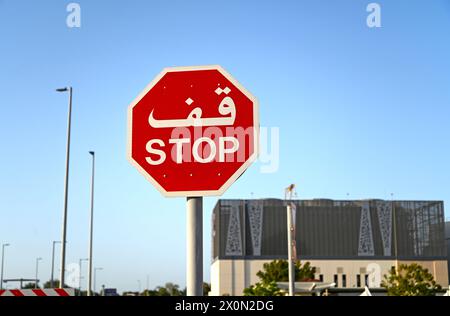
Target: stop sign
193, 131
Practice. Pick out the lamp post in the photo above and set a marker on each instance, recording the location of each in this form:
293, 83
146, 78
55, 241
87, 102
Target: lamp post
37, 270
95, 276
394, 216
79, 275
91, 227
290, 215
66, 190
3, 262
53, 263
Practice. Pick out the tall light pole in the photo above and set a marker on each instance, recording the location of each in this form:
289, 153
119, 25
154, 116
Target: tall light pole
3, 262
95, 276
394, 217
91, 227
79, 275
66, 190
37, 270
53, 263
291, 237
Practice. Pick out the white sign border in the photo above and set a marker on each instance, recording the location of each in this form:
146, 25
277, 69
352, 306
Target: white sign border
241, 169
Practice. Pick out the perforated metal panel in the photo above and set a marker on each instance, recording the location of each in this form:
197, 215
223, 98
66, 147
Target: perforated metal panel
330, 229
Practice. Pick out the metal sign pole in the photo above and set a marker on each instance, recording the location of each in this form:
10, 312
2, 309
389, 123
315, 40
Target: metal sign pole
194, 251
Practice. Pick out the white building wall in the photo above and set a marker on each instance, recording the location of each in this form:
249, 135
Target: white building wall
231, 277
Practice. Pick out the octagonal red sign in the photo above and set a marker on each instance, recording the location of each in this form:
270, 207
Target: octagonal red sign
193, 131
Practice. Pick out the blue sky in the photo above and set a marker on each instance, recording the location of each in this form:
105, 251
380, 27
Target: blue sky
361, 111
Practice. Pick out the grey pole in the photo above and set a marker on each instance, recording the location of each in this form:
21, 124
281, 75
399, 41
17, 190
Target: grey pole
37, 269
394, 216
194, 230
290, 231
79, 275
89, 289
66, 192
3, 262
53, 263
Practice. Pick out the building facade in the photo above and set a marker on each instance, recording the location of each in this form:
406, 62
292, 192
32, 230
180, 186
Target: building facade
447, 239
351, 243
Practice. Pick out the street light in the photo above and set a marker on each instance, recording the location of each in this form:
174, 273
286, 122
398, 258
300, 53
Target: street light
79, 275
394, 216
53, 263
291, 210
37, 269
95, 276
3, 261
66, 190
91, 224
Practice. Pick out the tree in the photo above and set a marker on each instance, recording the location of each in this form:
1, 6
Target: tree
410, 280
278, 271
162, 291
263, 289
206, 288
30, 285
172, 289
47, 285
169, 289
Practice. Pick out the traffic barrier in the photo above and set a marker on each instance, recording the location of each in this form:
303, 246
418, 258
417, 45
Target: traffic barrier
38, 292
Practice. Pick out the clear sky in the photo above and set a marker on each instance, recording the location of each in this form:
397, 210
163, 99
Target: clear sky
362, 113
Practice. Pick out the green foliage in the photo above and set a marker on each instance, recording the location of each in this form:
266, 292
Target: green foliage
263, 289
30, 285
278, 271
206, 289
169, 289
47, 285
410, 280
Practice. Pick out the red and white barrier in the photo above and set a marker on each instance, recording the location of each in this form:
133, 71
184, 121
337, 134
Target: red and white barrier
38, 292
